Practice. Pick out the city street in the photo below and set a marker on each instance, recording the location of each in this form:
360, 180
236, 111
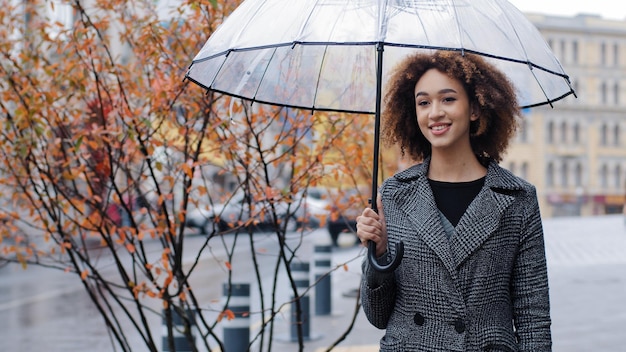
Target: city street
46, 310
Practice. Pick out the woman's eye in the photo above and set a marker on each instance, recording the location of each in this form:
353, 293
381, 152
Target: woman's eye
449, 99
422, 102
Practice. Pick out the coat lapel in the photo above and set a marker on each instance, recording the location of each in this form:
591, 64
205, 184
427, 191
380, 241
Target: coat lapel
417, 200
483, 216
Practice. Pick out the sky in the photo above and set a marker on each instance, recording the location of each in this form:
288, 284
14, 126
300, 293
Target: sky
610, 9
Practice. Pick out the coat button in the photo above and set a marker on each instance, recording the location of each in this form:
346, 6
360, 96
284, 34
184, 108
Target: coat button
418, 319
459, 326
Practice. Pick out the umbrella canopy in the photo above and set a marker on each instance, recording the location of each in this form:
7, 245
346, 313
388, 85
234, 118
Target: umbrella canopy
322, 54
332, 55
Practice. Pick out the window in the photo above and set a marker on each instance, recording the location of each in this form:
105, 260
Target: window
551, 132
603, 54
604, 170
604, 134
618, 176
564, 174
523, 132
563, 132
616, 94
550, 174
576, 133
603, 90
616, 135
616, 55
524, 172
575, 52
578, 177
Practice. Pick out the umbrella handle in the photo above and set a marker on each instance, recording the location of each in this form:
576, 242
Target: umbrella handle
371, 256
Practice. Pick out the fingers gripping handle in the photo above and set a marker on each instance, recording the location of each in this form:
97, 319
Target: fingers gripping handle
371, 251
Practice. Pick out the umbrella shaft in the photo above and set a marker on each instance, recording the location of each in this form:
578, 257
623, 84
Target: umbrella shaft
379, 74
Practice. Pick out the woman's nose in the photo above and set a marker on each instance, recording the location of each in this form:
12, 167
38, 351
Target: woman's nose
435, 111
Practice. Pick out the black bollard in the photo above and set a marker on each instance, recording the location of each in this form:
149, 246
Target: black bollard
300, 274
237, 330
322, 256
181, 343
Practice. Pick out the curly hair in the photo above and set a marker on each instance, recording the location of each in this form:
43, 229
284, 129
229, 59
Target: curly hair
486, 86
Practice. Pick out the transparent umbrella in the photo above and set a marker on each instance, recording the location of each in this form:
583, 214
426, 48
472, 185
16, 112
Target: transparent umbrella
333, 55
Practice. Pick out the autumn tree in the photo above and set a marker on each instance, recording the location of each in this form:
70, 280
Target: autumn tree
108, 152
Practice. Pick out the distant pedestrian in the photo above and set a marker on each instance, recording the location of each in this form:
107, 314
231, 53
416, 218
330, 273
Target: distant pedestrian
473, 276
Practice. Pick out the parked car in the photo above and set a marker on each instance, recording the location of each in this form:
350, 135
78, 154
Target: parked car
343, 213
239, 212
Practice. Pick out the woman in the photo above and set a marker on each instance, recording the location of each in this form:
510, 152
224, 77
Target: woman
473, 276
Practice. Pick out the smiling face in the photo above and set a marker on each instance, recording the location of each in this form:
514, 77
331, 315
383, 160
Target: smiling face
443, 112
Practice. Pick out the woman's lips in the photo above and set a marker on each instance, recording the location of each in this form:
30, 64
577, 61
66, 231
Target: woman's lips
439, 129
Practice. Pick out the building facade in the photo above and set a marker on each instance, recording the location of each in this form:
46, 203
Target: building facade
575, 152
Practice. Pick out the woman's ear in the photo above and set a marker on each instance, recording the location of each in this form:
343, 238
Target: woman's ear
478, 124
475, 114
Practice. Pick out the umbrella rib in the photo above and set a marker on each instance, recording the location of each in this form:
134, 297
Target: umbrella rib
519, 40
319, 74
319, 78
458, 27
256, 90
306, 22
530, 64
219, 70
245, 26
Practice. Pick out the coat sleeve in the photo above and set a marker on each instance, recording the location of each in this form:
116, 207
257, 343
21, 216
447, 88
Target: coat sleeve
531, 301
378, 293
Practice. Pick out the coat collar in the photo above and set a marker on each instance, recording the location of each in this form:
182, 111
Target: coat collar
497, 177
480, 220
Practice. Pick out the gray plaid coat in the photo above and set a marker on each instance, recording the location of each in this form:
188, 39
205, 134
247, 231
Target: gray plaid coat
484, 289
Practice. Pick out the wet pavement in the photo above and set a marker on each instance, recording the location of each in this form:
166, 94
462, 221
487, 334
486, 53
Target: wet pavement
45, 310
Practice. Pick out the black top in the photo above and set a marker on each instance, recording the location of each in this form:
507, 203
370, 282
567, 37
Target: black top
453, 198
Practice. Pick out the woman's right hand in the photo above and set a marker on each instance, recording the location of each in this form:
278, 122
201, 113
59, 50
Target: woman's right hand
370, 226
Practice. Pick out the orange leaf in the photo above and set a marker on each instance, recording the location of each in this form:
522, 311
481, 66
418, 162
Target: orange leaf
187, 169
227, 313
84, 274
228, 265
345, 267
130, 248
